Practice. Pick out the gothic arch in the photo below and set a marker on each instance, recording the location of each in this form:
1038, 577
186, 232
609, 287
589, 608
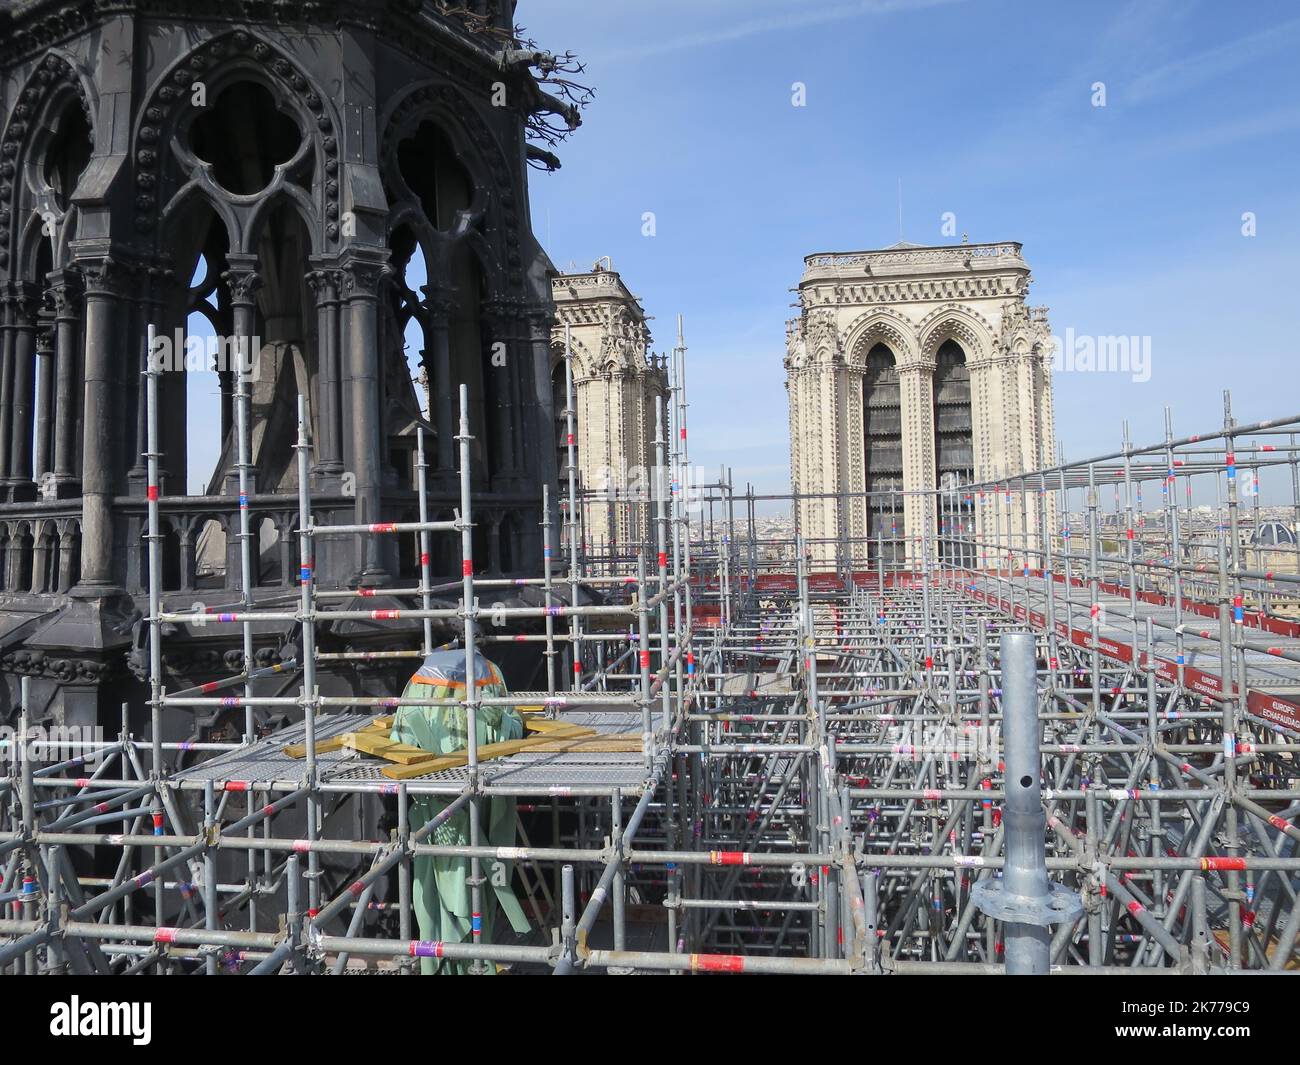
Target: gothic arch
33, 238
955, 322
455, 115
159, 150
57, 82
298, 200
881, 325
583, 360
195, 196
406, 119
45, 559
20, 555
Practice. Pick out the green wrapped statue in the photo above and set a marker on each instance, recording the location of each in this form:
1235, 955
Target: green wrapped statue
442, 897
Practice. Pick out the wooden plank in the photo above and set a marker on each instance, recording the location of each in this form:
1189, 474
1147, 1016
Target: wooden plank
368, 742
610, 743
334, 743
378, 727
551, 726
438, 763
381, 746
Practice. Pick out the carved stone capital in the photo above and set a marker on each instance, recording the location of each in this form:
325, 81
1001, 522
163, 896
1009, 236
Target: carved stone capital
243, 282
362, 278
24, 297
438, 299
65, 288
106, 277
324, 284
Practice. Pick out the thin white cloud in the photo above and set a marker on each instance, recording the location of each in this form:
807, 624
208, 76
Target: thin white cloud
1234, 131
1203, 66
776, 22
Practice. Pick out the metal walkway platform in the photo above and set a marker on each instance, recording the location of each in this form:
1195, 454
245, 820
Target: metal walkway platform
1274, 693
265, 764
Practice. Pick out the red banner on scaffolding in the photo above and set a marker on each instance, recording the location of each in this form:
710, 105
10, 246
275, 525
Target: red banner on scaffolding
1271, 709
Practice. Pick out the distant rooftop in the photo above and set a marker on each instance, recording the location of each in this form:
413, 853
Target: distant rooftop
904, 258
1273, 534
598, 282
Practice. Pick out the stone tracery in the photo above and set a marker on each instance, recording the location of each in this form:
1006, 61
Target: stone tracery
298, 238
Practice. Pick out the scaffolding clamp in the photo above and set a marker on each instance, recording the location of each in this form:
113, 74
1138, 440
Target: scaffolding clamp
312, 937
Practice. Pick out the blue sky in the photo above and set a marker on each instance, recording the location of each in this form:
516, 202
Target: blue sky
1130, 215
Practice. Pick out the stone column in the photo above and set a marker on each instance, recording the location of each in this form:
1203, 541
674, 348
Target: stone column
1010, 459
844, 448
44, 400
325, 285
65, 288
8, 311
105, 280
916, 395
7, 557
185, 544
243, 281
855, 462
1047, 428
985, 413
24, 307
144, 312
288, 548
226, 387
438, 304
363, 274
796, 442
40, 559
822, 468
822, 530
69, 543
136, 357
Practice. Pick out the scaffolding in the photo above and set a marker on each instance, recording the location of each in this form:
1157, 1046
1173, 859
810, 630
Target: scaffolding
1063, 739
